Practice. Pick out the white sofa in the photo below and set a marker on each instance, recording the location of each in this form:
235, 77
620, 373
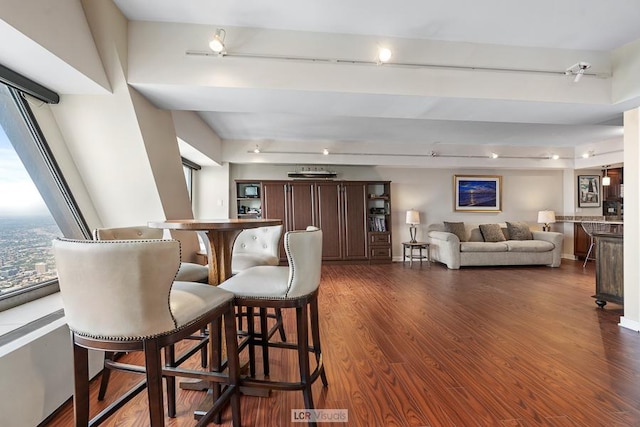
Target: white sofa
545, 248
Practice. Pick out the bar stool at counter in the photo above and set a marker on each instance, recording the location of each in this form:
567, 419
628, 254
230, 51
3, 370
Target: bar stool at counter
295, 286
121, 296
591, 228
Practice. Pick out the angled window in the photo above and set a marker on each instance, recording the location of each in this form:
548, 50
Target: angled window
35, 203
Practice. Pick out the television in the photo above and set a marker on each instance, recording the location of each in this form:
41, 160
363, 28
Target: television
251, 191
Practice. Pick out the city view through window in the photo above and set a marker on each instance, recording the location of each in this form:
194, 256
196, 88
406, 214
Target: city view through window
26, 226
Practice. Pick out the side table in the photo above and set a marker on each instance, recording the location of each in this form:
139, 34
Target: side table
415, 245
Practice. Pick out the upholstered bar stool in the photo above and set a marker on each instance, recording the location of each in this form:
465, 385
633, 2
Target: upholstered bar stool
120, 296
188, 272
293, 287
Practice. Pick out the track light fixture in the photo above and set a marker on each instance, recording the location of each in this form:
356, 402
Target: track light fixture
256, 150
217, 43
325, 151
494, 155
577, 70
384, 55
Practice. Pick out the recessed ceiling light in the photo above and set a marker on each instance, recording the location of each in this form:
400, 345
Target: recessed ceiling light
555, 157
256, 150
325, 151
494, 155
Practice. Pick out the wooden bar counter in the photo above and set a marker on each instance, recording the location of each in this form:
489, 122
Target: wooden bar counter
609, 268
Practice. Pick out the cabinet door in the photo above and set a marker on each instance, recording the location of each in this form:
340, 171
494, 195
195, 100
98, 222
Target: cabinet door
581, 242
274, 205
302, 206
355, 220
274, 195
330, 219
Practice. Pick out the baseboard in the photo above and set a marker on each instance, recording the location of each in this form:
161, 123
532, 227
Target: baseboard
629, 324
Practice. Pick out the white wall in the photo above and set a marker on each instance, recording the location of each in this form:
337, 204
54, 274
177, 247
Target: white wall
430, 191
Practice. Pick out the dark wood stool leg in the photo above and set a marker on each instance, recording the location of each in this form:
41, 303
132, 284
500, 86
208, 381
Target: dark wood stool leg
203, 351
233, 364
252, 346
264, 338
302, 325
215, 359
153, 365
106, 374
283, 336
315, 337
170, 360
81, 385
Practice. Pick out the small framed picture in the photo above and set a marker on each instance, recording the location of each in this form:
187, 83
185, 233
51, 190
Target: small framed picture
588, 191
477, 193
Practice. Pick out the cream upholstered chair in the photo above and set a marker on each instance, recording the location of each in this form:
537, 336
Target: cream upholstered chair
121, 296
256, 246
295, 286
188, 272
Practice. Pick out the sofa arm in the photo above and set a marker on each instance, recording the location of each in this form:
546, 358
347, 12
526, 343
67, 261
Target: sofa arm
556, 239
445, 248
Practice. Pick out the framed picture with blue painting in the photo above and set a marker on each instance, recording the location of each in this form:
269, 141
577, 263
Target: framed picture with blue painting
477, 193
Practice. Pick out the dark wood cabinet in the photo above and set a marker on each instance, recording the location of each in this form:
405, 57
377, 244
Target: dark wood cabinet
581, 242
339, 208
612, 191
609, 269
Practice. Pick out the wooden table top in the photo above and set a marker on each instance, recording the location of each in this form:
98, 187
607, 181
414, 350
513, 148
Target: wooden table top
213, 224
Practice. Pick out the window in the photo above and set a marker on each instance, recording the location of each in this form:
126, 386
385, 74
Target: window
35, 204
26, 227
188, 167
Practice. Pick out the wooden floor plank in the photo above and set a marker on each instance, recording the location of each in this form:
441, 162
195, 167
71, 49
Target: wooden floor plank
428, 346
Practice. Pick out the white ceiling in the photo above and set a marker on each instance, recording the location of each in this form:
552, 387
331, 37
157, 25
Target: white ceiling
567, 31
258, 113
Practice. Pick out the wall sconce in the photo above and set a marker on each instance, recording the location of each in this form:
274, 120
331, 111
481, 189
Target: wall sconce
413, 218
547, 218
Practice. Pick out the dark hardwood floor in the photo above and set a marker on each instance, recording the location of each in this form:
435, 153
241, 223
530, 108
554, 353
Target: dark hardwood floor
427, 346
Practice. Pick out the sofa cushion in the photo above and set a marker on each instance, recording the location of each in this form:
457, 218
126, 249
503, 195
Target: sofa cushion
484, 247
492, 233
519, 231
456, 228
529, 246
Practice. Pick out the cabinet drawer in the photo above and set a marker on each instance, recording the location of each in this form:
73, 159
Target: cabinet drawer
380, 252
379, 239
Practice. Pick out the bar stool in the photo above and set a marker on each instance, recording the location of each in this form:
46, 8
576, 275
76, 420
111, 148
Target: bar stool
591, 228
121, 296
295, 286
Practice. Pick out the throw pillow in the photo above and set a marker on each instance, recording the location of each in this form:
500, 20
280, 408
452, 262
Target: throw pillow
492, 233
456, 228
519, 231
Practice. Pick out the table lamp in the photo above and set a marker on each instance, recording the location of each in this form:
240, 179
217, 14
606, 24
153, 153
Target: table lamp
546, 218
413, 218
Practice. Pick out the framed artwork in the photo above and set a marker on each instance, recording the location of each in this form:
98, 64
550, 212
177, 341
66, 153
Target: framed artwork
588, 191
477, 193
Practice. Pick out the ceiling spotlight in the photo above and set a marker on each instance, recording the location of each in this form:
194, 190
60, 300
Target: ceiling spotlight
384, 55
325, 151
217, 43
588, 154
494, 155
256, 150
577, 70
555, 157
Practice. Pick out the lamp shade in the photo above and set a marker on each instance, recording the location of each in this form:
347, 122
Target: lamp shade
413, 217
546, 217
